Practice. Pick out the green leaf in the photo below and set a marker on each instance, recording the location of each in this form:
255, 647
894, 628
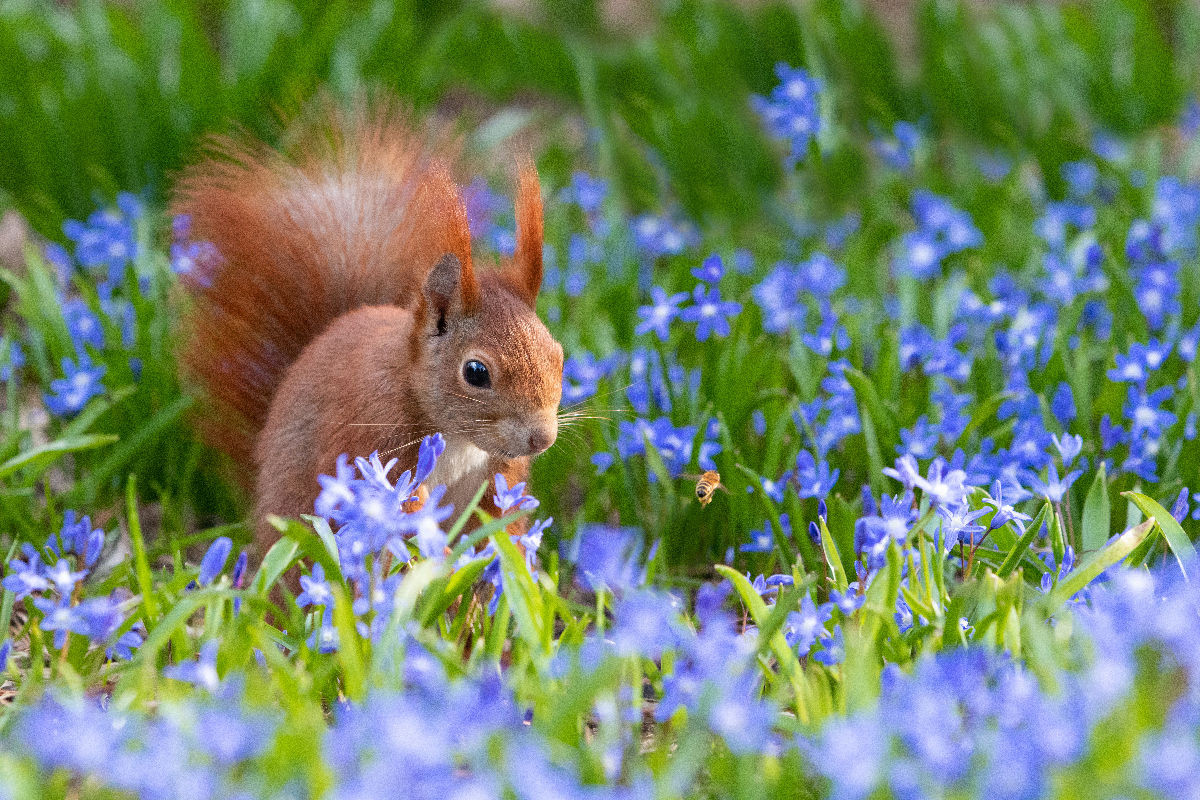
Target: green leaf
277, 560
1022, 546
522, 594
1058, 541
789, 663
1097, 515
39, 458
1101, 560
445, 590
95, 409
141, 564
1181, 545
321, 526
349, 651
132, 445
868, 397
832, 557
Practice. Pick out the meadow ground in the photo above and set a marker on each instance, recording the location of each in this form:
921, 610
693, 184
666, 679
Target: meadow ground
934, 320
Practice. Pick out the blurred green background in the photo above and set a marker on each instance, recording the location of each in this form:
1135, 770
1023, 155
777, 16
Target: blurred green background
99, 96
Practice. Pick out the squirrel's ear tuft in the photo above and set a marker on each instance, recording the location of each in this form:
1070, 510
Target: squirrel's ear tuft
450, 291
526, 272
451, 288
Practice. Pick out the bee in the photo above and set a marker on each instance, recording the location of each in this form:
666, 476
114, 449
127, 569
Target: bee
416, 501
707, 486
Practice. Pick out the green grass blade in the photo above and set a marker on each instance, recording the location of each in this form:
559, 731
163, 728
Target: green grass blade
141, 564
40, 458
1181, 545
1088, 571
1097, 514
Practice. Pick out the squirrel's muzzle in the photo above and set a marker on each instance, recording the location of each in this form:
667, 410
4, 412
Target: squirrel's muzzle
532, 433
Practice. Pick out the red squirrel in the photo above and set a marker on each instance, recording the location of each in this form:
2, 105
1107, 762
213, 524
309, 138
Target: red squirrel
343, 312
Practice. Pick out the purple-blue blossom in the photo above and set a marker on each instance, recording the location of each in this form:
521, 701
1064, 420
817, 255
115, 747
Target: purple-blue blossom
792, 112
657, 316
710, 313
81, 382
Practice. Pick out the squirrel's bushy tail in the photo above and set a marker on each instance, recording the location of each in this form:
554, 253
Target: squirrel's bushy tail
355, 210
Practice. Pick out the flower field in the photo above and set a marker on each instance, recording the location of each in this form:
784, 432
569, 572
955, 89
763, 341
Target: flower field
944, 364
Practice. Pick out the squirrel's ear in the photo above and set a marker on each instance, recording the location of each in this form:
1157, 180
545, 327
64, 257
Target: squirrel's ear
526, 273
450, 291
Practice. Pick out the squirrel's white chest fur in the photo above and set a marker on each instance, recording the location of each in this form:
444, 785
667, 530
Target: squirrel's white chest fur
460, 460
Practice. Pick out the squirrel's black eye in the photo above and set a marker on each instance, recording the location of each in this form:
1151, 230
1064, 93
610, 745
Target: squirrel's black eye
476, 374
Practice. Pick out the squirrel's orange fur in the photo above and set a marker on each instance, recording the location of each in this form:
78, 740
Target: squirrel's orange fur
343, 304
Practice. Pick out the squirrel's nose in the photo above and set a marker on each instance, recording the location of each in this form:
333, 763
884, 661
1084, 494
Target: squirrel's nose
540, 440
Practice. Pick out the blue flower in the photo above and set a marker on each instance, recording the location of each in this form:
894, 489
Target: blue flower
710, 313
202, 672
214, 560
101, 618
315, 591
958, 523
197, 261
802, 628
78, 537
874, 534
758, 421
899, 150
586, 192
711, 270
230, 735
920, 441
1081, 178
740, 718
1053, 488
1189, 120
107, 239
850, 601
1062, 404
425, 523
602, 461
833, 648
582, 374
60, 617
658, 315
83, 325
337, 491
1004, 511
430, 451
483, 207
995, 166
761, 541
608, 558
63, 578
779, 297
813, 478
644, 624
1053, 226
792, 112
26, 577
1069, 447
920, 255
953, 228
831, 333
514, 498
71, 393
16, 359
658, 236
944, 487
